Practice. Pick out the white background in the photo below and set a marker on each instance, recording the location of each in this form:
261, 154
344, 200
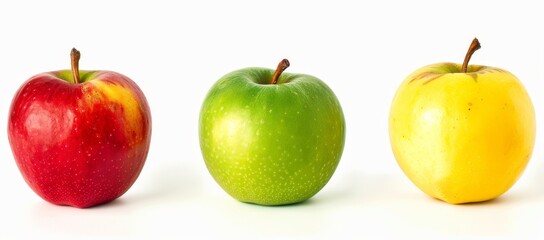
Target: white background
176, 50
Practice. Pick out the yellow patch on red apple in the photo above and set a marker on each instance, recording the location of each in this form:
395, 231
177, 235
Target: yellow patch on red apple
120, 98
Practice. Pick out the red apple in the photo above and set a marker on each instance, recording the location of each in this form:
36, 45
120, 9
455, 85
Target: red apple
80, 138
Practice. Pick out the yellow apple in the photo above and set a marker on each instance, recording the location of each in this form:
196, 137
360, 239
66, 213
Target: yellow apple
462, 133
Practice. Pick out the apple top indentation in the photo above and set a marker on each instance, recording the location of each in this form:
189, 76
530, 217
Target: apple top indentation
435, 71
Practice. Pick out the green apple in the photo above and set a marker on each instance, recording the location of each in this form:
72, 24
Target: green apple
270, 138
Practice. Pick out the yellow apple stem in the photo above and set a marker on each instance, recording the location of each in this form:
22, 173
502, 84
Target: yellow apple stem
475, 45
74, 56
284, 64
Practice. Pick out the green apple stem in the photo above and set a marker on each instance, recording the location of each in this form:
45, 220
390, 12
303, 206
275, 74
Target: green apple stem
284, 64
474, 46
74, 56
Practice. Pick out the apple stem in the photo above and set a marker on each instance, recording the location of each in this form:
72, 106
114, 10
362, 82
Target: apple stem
284, 64
475, 45
74, 56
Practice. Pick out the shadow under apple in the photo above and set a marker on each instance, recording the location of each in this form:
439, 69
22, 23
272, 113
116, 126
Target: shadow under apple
165, 183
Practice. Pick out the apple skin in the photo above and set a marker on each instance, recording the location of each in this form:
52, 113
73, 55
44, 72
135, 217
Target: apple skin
462, 137
271, 144
79, 144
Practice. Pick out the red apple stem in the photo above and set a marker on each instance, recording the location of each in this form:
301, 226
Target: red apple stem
74, 56
284, 64
474, 46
